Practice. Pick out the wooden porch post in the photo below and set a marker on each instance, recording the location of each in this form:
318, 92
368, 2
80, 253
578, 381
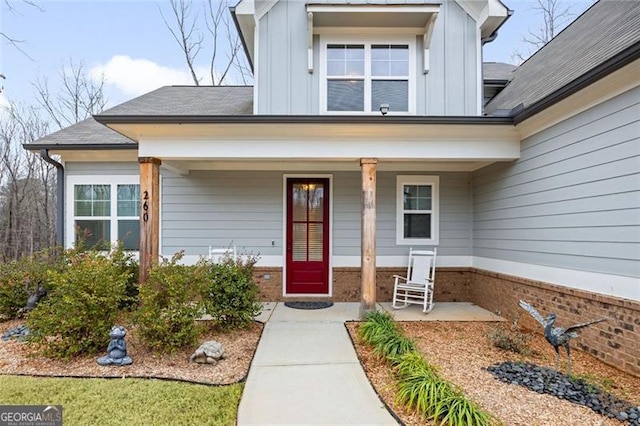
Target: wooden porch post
149, 214
368, 238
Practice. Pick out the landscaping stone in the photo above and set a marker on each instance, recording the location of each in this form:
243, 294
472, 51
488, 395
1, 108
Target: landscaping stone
210, 352
547, 380
20, 332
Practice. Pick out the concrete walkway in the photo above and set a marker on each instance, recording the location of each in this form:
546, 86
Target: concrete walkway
306, 371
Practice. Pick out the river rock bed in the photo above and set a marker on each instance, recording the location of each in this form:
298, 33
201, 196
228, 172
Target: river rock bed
546, 380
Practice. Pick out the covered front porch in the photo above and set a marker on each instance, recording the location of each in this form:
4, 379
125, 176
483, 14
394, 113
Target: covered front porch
210, 180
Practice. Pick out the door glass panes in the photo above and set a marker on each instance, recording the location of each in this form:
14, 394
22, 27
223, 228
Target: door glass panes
308, 214
417, 197
128, 200
315, 242
92, 200
417, 225
129, 233
299, 202
316, 202
299, 242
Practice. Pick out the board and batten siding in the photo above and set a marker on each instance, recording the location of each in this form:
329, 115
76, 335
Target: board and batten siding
572, 200
245, 209
284, 85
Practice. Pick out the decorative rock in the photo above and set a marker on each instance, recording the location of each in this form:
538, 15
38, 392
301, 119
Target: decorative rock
577, 391
20, 332
117, 349
209, 352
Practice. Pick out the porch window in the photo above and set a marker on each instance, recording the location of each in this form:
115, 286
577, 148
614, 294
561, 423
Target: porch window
417, 210
105, 213
360, 77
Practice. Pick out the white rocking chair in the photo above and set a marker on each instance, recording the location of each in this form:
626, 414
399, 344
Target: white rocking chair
217, 254
417, 287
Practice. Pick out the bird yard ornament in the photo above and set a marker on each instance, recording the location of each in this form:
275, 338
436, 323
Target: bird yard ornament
558, 336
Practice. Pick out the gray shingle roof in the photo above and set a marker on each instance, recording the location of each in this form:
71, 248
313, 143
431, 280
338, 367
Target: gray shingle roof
609, 27
188, 101
87, 132
497, 71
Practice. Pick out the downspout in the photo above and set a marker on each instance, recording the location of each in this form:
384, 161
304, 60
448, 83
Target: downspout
44, 153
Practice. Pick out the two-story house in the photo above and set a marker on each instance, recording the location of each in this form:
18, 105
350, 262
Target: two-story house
366, 133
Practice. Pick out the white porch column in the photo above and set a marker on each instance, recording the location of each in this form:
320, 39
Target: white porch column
368, 238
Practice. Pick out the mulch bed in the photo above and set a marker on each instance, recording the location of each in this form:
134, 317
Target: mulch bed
18, 358
462, 351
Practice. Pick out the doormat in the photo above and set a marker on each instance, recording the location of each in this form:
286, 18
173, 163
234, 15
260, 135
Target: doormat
308, 305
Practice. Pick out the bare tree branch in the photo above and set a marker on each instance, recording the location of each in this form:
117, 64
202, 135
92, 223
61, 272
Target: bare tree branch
222, 41
555, 16
185, 33
80, 96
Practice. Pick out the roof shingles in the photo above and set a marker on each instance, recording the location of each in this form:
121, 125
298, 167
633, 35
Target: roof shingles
606, 29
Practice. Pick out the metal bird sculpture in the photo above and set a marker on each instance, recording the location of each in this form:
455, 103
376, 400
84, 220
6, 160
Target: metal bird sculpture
557, 336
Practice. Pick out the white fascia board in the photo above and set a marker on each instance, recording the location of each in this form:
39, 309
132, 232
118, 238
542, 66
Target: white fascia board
611, 285
488, 14
336, 149
246, 16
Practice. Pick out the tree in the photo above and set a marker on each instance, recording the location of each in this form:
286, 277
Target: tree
27, 182
79, 98
555, 16
221, 42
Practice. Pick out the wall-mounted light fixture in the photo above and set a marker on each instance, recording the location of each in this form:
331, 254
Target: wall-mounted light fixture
384, 109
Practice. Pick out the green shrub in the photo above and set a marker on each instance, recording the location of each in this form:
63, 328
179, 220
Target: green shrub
81, 306
377, 327
509, 337
231, 295
20, 278
13, 292
126, 262
419, 387
169, 306
392, 346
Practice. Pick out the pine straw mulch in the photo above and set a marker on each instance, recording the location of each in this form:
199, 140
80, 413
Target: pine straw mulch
462, 351
18, 358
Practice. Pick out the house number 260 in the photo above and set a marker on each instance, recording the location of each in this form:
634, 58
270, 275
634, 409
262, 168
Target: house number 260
145, 207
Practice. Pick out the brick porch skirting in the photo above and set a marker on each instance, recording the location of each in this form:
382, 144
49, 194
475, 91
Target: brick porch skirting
618, 343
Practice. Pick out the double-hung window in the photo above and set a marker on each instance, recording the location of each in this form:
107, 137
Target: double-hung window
360, 77
103, 212
417, 210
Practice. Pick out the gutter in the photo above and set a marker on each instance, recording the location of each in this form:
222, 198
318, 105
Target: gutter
44, 153
494, 34
300, 119
78, 146
232, 10
611, 65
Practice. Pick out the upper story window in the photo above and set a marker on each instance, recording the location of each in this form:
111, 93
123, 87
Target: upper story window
359, 77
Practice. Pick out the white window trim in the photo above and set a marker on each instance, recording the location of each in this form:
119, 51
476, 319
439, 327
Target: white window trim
113, 181
434, 181
346, 38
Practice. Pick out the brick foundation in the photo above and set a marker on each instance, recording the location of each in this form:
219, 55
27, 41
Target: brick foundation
615, 342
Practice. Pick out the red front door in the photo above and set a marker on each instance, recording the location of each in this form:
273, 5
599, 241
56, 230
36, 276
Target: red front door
307, 236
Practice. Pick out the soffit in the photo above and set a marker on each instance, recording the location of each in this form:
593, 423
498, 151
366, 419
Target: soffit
379, 16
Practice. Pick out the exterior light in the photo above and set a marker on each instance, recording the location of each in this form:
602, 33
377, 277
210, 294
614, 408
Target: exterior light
384, 109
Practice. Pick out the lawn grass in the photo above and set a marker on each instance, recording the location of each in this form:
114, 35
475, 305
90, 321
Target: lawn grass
125, 401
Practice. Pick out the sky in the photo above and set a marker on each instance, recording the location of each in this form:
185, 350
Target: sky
128, 43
